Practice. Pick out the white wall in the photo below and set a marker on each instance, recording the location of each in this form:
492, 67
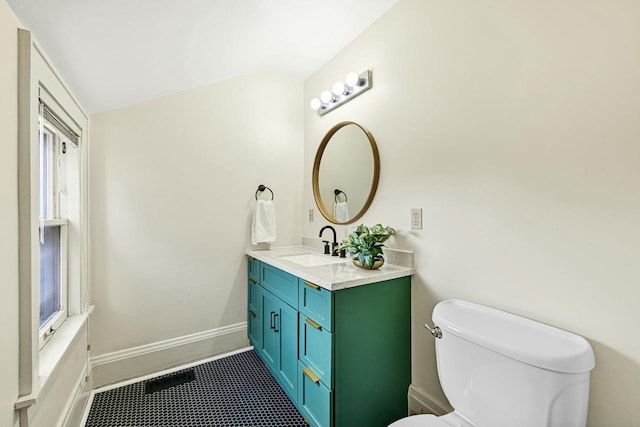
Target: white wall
9, 213
172, 184
514, 125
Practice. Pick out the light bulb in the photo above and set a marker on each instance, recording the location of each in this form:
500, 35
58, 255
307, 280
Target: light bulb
315, 104
326, 97
352, 79
338, 88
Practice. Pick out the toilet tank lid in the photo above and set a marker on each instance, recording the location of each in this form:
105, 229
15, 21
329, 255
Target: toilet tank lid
517, 337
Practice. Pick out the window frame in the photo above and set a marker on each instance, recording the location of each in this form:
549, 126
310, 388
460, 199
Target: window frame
50, 215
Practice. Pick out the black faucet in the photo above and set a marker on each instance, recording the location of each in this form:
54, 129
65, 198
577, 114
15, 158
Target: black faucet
334, 244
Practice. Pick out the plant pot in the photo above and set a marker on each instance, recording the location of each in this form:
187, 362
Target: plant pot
376, 264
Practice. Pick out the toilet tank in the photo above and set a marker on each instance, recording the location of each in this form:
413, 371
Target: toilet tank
502, 370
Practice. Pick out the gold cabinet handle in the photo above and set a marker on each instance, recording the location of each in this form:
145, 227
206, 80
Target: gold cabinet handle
253, 282
311, 375
312, 285
312, 323
252, 313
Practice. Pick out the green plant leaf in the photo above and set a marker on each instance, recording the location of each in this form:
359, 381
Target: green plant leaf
366, 243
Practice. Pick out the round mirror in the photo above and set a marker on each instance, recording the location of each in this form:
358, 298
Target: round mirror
345, 173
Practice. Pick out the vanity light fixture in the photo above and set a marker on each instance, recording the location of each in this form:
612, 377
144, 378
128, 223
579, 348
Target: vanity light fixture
354, 84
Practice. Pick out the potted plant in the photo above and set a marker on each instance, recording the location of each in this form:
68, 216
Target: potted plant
365, 245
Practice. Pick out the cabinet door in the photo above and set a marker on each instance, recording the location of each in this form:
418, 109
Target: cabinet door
270, 344
280, 342
287, 364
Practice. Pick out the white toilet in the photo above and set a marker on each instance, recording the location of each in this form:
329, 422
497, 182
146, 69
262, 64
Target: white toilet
502, 370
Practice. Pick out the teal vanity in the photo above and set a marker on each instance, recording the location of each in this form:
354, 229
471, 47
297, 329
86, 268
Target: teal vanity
335, 337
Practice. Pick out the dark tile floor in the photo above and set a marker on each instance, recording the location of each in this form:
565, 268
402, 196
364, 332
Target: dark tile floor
233, 391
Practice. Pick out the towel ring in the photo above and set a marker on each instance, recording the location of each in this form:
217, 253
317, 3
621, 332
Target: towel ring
337, 192
261, 188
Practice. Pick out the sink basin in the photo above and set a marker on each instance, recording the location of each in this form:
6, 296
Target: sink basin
313, 260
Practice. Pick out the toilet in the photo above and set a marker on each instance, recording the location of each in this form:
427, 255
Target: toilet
502, 370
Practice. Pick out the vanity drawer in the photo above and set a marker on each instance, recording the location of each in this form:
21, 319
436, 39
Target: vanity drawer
316, 349
281, 284
316, 303
315, 400
253, 267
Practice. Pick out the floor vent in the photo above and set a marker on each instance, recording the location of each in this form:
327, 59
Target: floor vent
169, 381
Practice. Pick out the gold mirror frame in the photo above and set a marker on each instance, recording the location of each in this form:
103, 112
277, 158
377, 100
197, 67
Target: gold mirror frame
316, 172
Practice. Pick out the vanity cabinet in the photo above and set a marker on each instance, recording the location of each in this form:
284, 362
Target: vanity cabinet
343, 356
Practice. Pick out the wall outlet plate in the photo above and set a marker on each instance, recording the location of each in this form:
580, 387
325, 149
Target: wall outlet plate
311, 215
416, 218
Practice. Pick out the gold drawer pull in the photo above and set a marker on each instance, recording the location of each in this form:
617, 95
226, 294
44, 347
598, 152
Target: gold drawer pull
312, 323
312, 285
311, 375
252, 313
253, 282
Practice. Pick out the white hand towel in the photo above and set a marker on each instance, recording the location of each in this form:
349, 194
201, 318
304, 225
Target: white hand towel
264, 223
341, 211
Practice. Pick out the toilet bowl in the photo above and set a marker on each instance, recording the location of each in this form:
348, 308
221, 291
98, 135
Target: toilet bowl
449, 420
502, 370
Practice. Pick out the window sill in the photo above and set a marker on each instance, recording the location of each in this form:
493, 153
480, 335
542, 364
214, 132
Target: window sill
51, 356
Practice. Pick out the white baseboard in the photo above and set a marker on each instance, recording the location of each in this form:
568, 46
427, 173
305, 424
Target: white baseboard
168, 371
150, 358
421, 402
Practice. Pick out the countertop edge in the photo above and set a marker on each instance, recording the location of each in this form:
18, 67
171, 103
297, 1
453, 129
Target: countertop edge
331, 277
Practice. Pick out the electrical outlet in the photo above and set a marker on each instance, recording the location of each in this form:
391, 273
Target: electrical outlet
416, 219
311, 215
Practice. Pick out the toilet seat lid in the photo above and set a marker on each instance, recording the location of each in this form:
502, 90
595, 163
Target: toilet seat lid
420, 421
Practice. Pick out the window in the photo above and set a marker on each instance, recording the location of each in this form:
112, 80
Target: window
53, 231
57, 168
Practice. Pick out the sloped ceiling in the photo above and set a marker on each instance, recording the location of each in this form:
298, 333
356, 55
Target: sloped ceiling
118, 52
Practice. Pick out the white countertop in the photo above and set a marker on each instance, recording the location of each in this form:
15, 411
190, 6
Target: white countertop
333, 276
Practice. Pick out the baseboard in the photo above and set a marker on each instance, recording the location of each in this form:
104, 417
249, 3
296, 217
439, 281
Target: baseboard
421, 402
149, 358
